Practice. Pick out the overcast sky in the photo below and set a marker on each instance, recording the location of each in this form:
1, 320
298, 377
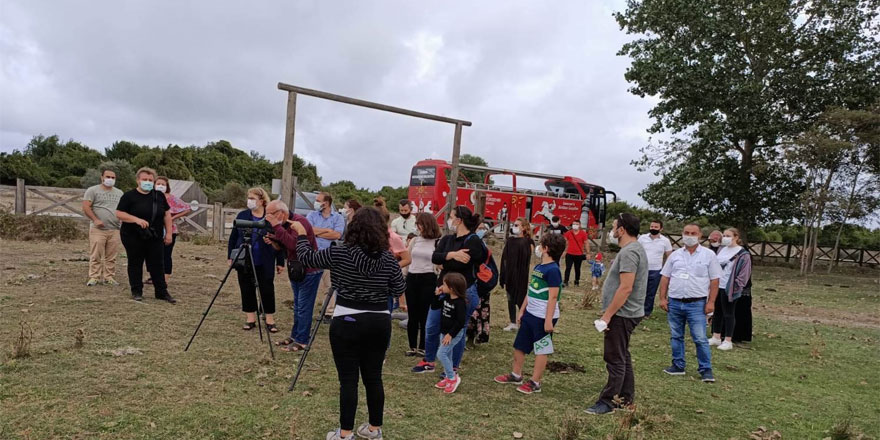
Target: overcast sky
540, 81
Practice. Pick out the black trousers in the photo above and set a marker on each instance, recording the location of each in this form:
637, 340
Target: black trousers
573, 260
725, 323
621, 381
140, 251
742, 332
266, 280
419, 294
358, 343
512, 307
168, 250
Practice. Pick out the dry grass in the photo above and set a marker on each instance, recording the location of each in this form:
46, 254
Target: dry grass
21, 346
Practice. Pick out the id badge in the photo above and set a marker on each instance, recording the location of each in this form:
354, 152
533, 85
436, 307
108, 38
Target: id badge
544, 345
684, 276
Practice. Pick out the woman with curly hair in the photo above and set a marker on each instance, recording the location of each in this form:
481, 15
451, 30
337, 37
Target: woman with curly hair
365, 274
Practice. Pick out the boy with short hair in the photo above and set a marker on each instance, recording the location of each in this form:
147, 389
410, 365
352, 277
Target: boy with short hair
538, 315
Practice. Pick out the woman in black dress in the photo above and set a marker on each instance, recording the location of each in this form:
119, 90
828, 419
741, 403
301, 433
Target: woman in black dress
515, 264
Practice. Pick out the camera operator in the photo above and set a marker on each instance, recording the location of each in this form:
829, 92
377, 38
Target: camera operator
304, 282
365, 274
145, 222
267, 261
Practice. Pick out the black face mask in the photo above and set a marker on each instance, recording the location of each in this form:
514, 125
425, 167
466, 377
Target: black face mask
406, 216
655, 231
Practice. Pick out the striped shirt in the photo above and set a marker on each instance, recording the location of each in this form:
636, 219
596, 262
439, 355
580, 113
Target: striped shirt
362, 281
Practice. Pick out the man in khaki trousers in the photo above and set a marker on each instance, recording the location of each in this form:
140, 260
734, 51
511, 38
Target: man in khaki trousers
99, 205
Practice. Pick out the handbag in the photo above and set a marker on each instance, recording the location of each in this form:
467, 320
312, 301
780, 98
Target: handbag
296, 271
238, 257
487, 273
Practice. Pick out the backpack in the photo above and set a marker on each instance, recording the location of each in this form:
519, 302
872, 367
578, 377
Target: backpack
487, 273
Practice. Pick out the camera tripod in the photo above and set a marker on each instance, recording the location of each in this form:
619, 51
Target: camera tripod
249, 266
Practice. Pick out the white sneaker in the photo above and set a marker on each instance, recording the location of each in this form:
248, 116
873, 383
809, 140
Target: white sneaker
511, 327
364, 432
714, 341
726, 345
336, 435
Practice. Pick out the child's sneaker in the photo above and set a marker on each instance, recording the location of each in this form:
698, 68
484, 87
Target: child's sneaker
364, 432
509, 378
442, 384
423, 367
529, 387
452, 385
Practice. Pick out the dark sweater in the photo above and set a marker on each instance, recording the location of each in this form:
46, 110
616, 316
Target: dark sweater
453, 316
362, 281
452, 243
287, 237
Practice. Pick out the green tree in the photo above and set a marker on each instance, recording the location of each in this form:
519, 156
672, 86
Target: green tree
125, 179
17, 165
472, 175
123, 150
736, 79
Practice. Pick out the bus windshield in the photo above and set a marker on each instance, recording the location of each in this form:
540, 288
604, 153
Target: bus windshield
423, 176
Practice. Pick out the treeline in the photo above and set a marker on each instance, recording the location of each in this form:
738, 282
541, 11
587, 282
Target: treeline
223, 171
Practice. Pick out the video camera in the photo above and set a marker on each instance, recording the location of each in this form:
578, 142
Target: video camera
249, 224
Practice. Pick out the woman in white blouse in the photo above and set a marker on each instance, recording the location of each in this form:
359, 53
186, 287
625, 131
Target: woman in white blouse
421, 281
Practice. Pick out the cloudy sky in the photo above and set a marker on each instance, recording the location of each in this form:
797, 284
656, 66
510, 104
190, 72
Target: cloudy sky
540, 81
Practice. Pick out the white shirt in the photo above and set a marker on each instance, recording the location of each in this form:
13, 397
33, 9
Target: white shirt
421, 250
403, 227
689, 274
655, 248
724, 256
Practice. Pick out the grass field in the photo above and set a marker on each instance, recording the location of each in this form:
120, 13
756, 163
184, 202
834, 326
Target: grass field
813, 365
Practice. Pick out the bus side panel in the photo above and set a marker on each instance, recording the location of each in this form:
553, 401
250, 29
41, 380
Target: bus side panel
504, 206
544, 208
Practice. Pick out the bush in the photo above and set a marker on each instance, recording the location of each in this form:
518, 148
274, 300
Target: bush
39, 228
68, 182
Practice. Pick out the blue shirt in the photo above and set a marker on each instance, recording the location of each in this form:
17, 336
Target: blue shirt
335, 222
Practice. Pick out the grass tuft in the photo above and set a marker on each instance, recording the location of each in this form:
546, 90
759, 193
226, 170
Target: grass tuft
21, 346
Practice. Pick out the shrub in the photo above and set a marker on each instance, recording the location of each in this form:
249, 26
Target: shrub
39, 227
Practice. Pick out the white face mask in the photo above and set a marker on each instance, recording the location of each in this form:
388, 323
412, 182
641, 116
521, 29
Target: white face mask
554, 224
714, 244
538, 252
611, 238
109, 182
318, 206
726, 241
450, 224
161, 188
575, 227
690, 240
251, 204
515, 230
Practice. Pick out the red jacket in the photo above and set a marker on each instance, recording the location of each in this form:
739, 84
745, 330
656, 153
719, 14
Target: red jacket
287, 237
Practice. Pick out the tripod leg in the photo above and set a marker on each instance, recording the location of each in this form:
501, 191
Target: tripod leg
211, 304
260, 310
319, 319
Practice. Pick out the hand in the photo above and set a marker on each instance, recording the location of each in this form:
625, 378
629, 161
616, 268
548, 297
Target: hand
274, 220
298, 227
548, 326
268, 238
447, 339
99, 224
168, 239
461, 256
438, 292
601, 325
664, 304
142, 223
710, 308
279, 269
519, 318
229, 262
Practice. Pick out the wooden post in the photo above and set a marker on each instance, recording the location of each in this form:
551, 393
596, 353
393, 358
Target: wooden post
763, 248
861, 257
788, 253
453, 178
219, 222
20, 197
480, 206
287, 165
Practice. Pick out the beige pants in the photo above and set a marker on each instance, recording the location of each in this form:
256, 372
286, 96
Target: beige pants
103, 248
322, 292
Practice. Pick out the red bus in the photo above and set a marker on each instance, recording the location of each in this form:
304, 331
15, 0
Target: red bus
568, 197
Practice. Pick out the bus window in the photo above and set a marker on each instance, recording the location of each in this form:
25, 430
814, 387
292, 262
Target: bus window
597, 206
423, 176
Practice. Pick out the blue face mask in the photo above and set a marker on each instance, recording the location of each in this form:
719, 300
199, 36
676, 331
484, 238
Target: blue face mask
147, 185
481, 233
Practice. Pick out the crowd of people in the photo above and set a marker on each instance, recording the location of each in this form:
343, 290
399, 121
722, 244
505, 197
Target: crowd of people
369, 265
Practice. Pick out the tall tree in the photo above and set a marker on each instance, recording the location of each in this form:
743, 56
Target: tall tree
736, 79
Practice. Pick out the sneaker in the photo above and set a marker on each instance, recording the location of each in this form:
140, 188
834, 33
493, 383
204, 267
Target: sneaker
509, 378
674, 371
363, 431
412, 352
442, 384
714, 342
167, 297
726, 345
565, 284
511, 327
452, 385
336, 435
92, 282
421, 352
529, 387
111, 282
443, 375
423, 367
599, 409
137, 296
707, 376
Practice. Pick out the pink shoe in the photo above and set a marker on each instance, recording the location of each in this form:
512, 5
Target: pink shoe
442, 384
452, 385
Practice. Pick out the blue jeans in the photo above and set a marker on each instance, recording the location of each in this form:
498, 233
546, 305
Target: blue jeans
694, 315
653, 284
304, 294
432, 329
445, 353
